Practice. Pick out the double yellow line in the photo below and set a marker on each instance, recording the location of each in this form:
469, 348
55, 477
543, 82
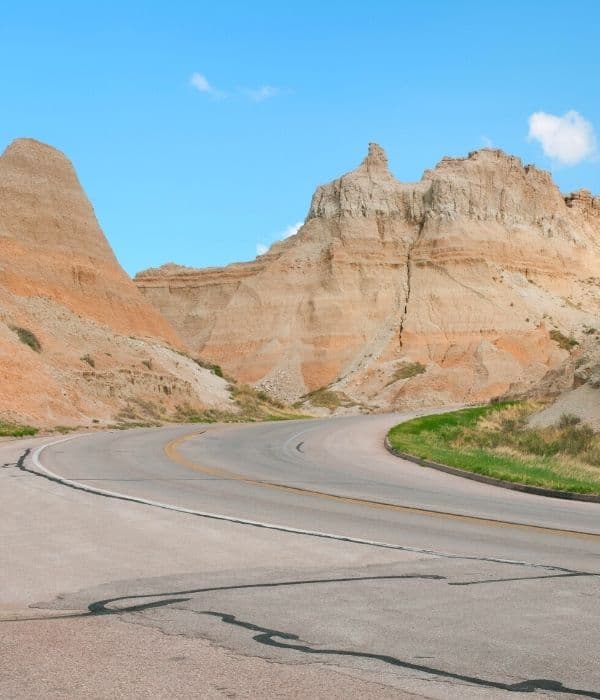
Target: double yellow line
172, 452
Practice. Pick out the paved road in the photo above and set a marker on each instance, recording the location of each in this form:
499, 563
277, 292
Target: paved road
480, 592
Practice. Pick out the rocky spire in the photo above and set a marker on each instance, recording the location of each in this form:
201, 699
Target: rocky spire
376, 160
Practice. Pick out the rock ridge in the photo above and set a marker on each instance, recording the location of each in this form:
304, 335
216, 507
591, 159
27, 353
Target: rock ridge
464, 274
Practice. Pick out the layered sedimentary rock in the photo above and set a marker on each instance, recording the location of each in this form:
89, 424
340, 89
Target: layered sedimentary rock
457, 288
77, 339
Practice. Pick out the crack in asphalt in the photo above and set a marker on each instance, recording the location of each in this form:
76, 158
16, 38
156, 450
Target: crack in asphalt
267, 636
519, 578
99, 607
19, 464
285, 640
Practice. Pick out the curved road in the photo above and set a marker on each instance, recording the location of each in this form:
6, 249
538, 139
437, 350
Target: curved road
412, 581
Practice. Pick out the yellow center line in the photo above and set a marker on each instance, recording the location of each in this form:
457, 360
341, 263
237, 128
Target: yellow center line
171, 450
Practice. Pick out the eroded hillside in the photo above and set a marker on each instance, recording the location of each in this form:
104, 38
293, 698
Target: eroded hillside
459, 288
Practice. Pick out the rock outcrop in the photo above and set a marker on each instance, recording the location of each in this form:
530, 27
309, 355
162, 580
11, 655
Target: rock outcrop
442, 291
574, 386
77, 340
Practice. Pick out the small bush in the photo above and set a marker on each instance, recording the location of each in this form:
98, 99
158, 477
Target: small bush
575, 440
89, 359
147, 363
211, 367
28, 338
562, 341
568, 420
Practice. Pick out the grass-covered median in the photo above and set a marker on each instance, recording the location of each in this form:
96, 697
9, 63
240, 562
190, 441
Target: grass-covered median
496, 441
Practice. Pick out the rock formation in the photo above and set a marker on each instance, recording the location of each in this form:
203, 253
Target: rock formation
461, 287
77, 340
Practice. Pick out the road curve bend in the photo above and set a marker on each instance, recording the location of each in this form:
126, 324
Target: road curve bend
306, 541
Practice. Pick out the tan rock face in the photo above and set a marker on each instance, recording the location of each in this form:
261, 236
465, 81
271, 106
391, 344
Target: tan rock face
60, 280
465, 272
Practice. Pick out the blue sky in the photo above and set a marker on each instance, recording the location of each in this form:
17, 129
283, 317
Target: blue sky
286, 96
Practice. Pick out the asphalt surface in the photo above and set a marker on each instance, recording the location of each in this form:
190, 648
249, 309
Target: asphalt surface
398, 581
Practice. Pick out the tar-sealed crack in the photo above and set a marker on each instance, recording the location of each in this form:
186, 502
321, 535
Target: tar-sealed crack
285, 640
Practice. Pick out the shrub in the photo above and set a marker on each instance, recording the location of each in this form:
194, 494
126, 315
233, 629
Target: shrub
575, 440
147, 363
567, 420
562, 341
28, 338
89, 359
211, 366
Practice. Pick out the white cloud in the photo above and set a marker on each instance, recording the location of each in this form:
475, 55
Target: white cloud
291, 230
261, 93
567, 140
200, 83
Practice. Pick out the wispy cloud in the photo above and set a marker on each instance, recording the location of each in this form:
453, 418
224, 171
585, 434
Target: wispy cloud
200, 82
262, 93
568, 140
265, 92
291, 230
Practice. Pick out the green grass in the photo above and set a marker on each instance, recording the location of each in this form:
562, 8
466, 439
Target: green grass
15, 430
496, 441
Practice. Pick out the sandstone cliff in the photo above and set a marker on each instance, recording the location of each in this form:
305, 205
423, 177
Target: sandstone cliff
77, 340
457, 288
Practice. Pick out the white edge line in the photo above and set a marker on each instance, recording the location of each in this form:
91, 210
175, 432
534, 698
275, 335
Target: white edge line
35, 458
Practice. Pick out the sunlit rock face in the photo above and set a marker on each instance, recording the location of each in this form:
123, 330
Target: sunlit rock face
460, 278
105, 351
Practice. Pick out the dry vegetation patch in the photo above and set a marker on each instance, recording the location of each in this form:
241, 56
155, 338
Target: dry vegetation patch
406, 370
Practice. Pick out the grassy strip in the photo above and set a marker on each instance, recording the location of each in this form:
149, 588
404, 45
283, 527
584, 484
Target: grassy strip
495, 441
13, 430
